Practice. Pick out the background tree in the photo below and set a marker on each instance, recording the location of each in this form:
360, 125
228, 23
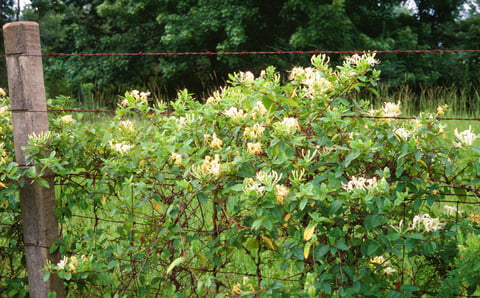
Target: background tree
7, 14
100, 26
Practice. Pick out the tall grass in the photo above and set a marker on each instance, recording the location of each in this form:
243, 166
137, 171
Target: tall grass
462, 103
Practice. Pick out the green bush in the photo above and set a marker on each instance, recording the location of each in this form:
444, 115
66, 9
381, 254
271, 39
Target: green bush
266, 189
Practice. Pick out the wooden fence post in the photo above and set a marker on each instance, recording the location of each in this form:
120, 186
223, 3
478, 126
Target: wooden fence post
29, 115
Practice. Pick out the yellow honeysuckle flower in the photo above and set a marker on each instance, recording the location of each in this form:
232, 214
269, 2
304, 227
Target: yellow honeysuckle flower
254, 148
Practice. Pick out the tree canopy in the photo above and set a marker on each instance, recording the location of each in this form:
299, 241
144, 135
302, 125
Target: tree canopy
7, 14
101, 26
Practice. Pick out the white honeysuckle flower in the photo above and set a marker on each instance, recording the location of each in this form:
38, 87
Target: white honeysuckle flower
355, 59
399, 228
66, 119
288, 126
268, 179
389, 270
40, 138
251, 185
308, 155
326, 150
144, 95
360, 184
63, 263
441, 110
451, 210
211, 100
296, 72
290, 123
209, 166
247, 76
234, 113
121, 148
297, 175
466, 137
380, 260
124, 102
281, 192
127, 125
139, 96
403, 133
391, 109
377, 260
254, 148
176, 158
429, 224
373, 112
258, 110
216, 142
182, 121
254, 131
441, 128
432, 224
371, 60
216, 97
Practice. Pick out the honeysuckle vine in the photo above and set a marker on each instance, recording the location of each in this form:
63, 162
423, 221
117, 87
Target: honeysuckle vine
263, 181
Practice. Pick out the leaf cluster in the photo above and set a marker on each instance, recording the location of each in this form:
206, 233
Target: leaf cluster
268, 188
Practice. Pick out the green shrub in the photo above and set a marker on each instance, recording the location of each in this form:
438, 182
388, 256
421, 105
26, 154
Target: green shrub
265, 189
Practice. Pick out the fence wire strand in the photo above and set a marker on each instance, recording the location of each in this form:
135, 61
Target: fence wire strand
243, 53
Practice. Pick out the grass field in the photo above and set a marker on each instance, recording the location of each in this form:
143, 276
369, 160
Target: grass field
461, 104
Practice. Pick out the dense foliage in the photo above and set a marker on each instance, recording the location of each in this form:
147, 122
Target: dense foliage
7, 14
268, 189
99, 26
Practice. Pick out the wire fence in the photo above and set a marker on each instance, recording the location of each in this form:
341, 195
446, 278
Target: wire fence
100, 216
241, 53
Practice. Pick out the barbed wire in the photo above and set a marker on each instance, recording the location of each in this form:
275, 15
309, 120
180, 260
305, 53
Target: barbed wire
347, 116
279, 52
166, 113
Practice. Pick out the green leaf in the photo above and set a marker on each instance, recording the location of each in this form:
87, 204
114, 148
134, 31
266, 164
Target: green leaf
326, 288
476, 149
320, 252
32, 172
372, 221
159, 176
291, 102
174, 264
246, 170
202, 198
257, 224
252, 244
268, 100
417, 203
43, 182
335, 206
350, 157
372, 248
46, 276
237, 187
303, 203
341, 246
306, 250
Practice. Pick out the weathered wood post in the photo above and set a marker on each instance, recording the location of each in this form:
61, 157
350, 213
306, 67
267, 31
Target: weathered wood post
29, 115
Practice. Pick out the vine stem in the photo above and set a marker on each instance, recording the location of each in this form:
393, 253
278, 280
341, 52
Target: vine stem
238, 225
184, 252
